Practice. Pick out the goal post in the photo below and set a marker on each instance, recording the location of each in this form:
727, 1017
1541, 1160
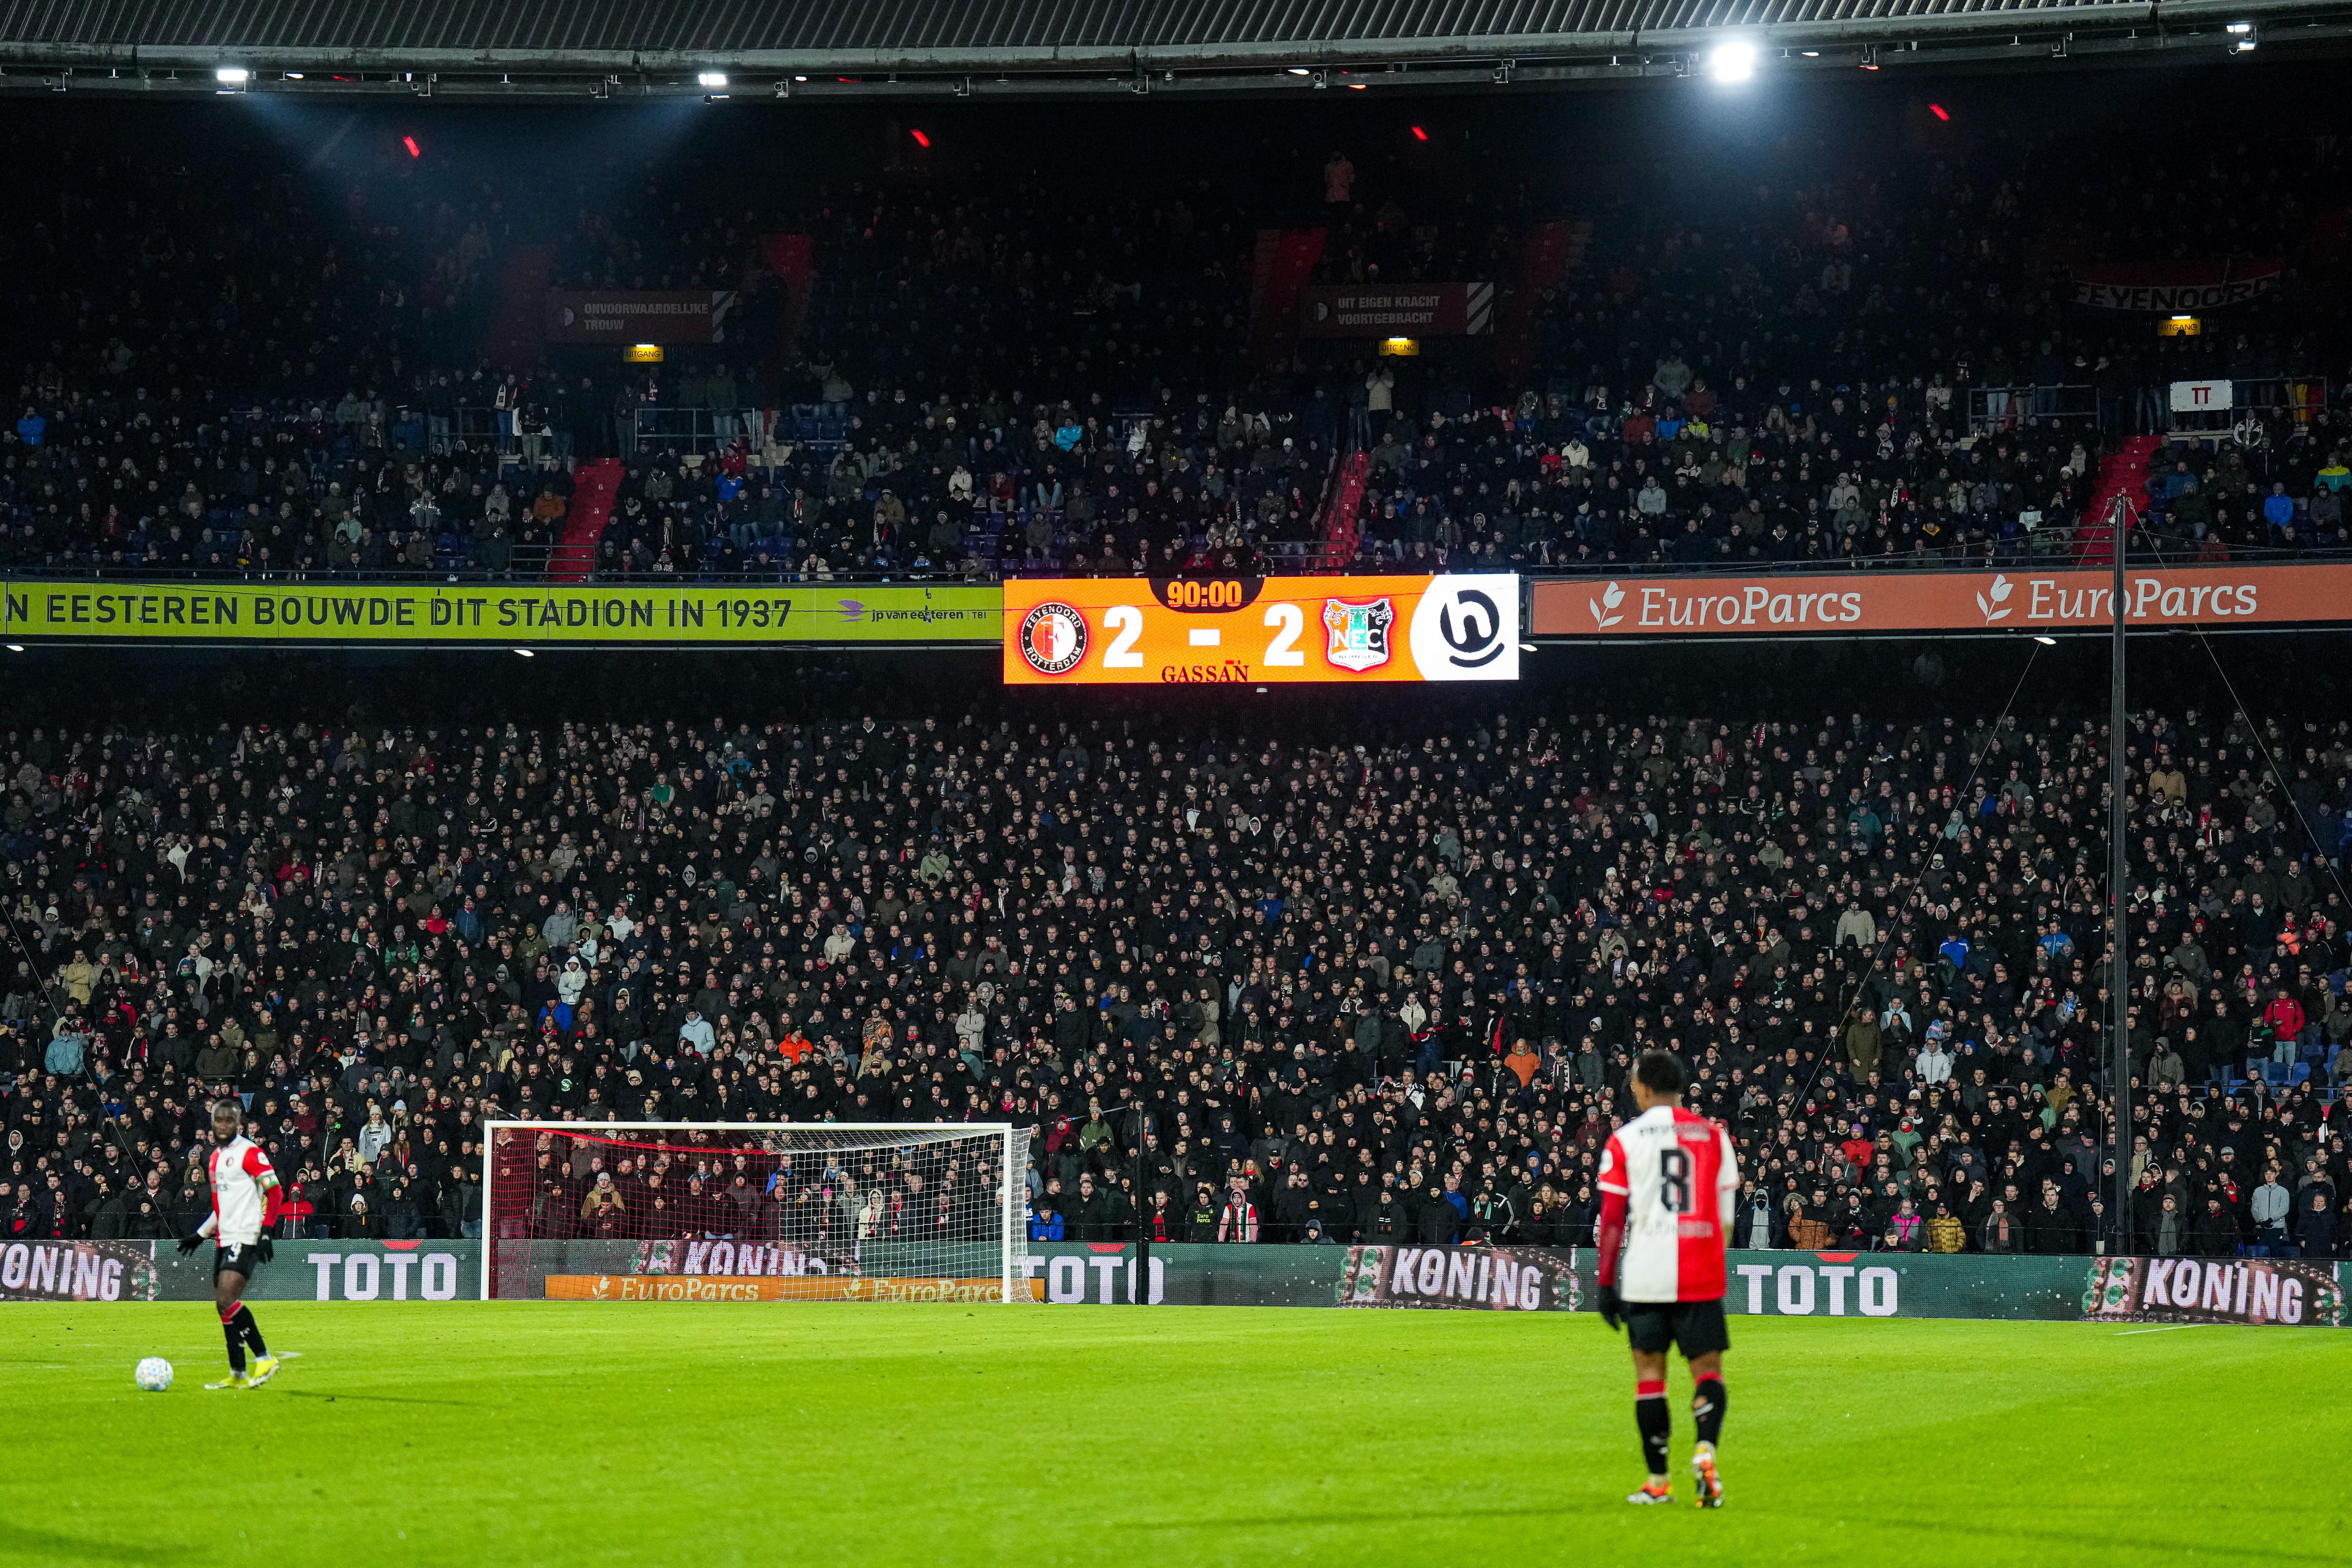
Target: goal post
754, 1211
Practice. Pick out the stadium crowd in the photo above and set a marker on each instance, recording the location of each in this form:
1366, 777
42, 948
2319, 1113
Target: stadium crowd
1383, 989
1004, 373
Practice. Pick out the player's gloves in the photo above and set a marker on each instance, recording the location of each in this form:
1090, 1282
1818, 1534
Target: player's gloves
268, 1248
1612, 1305
190, 1243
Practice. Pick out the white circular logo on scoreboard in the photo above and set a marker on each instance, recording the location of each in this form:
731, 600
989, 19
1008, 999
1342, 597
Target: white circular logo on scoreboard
1054, 638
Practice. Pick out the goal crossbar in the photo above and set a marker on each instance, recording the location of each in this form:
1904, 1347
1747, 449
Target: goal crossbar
842, 1210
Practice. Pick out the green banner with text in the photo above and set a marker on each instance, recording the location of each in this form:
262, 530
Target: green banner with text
2286, 1292
313, 614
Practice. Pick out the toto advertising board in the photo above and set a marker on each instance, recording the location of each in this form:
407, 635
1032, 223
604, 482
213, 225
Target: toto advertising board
2255, 1291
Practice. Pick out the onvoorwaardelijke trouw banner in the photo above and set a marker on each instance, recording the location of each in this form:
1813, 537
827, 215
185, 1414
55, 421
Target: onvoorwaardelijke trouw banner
2284, 1292
497, 614
684, 316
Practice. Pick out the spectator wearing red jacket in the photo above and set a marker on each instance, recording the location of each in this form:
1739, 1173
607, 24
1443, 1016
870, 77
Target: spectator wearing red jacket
2285, 1017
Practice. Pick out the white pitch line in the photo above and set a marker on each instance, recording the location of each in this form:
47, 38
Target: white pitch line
2165, 1329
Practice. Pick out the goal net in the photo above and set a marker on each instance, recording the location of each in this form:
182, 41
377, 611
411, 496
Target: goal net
742, 1211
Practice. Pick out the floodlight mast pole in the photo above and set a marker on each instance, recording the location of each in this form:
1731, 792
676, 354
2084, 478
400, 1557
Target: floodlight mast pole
2118, 863
1141, 1284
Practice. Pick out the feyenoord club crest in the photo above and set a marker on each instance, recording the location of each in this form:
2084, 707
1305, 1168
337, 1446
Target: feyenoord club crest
1052, 638
1359, 633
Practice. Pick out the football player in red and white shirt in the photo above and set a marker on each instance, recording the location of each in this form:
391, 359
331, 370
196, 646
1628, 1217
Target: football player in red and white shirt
1668, 1179
244, 1205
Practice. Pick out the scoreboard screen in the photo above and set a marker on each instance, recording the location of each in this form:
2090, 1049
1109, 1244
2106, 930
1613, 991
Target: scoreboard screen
1259, 631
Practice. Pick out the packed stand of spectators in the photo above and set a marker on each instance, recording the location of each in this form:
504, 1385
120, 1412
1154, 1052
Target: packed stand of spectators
1385, 990
1864, 356
1736, 477
2208, 499
1889, 269
1748, 372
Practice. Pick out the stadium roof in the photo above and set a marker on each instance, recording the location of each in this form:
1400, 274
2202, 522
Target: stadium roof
918, 47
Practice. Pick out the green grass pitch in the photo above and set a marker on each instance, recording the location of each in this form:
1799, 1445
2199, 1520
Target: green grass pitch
861, 1434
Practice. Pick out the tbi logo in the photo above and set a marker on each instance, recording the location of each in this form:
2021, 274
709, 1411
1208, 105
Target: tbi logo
1054, 638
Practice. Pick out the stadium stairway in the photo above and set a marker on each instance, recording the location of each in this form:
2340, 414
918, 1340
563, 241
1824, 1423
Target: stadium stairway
593, 484
1342, 524
2122, 472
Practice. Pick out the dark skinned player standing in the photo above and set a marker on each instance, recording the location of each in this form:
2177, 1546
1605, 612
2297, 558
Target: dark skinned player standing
244, 1205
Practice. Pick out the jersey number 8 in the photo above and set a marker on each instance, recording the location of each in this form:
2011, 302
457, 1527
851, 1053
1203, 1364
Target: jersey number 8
1673, 1180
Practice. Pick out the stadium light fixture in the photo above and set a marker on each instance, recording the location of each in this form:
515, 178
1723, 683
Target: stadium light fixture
232, 76
2244, 46
1733, 60
2045, 641
526, 653
2240, 29
16, 647
711, 78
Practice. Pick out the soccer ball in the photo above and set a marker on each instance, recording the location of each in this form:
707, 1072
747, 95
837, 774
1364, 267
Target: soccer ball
154, 1374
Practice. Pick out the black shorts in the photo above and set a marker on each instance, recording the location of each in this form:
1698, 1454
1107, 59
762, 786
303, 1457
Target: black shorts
237, 1260
1698, 1327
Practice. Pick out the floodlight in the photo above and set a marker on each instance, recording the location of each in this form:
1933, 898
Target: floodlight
1732, 60
232, 76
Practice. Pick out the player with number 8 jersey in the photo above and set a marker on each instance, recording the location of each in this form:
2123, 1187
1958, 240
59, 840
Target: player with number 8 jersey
1668, 1179
1676, 1173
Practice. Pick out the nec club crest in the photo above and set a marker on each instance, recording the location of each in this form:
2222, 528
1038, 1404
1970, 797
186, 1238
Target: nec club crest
1054, 638
1359, 633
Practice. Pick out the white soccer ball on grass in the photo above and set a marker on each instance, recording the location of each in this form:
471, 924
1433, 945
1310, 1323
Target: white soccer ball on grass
154, 1374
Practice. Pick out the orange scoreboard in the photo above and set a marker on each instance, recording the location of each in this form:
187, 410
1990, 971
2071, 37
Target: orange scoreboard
1258, 631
